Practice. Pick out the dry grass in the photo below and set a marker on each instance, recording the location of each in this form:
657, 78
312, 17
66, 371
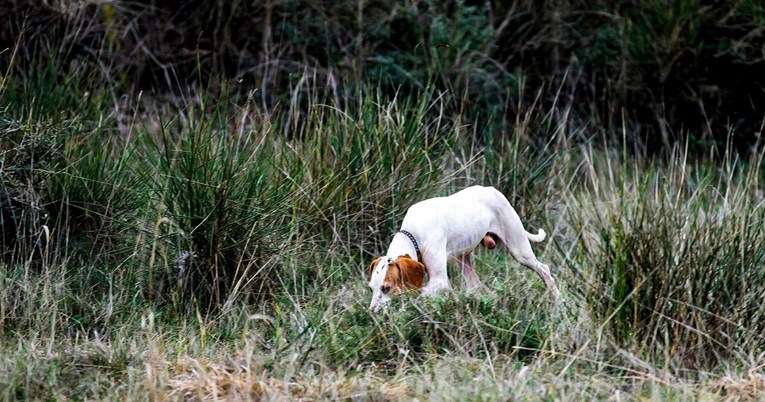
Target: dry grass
152, 367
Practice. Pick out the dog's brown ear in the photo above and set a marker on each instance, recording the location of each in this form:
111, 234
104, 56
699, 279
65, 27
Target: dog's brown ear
411, 272
393, 278
372, 266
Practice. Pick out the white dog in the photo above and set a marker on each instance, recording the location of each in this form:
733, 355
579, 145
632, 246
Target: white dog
439, 228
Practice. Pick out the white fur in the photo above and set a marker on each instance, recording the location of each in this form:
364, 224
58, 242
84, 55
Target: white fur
451, 227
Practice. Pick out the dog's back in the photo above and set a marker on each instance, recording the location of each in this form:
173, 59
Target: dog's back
463, 217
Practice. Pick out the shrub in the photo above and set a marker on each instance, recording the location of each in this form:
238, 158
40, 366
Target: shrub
221, 208
673, 267
677, 70
414, 329
41, 115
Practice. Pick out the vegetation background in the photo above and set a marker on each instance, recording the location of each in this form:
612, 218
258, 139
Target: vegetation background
190, 193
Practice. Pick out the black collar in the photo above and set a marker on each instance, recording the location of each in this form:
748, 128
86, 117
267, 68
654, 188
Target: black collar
414, 242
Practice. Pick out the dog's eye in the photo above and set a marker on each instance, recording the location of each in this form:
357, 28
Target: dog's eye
385, 289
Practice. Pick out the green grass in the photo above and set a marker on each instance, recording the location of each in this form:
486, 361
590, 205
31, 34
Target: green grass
202, 248
670, 264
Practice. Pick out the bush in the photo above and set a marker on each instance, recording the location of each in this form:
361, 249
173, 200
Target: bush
672, 267
221, 208
40, 117
686, 69
414, 329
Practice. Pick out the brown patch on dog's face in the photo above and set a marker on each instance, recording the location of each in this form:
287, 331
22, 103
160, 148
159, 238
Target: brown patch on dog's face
405, 273
372, 266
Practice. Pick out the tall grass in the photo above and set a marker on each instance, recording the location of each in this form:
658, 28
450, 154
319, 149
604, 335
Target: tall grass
205, 248
675, 69
219, 198
207, 241
234, 195
670, 258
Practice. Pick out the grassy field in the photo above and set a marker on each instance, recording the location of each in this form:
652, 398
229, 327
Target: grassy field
188, 205
204, 248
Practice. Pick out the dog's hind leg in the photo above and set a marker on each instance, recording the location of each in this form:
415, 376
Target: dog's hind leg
469, 273
516, 241
542, 270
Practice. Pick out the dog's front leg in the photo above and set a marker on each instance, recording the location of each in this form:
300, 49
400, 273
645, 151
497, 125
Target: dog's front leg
438, 277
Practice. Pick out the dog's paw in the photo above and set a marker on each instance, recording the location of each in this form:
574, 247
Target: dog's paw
434, 288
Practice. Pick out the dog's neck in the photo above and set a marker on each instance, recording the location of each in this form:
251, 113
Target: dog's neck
400, 245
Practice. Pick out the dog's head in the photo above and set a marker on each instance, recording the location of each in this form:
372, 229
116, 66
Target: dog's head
389, 277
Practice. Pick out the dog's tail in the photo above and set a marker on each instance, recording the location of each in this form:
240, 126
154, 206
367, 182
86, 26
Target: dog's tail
537, 237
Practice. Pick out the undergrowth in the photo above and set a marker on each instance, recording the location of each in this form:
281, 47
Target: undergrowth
209, 246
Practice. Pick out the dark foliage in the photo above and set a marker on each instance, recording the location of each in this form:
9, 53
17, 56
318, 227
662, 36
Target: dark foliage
677, 70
